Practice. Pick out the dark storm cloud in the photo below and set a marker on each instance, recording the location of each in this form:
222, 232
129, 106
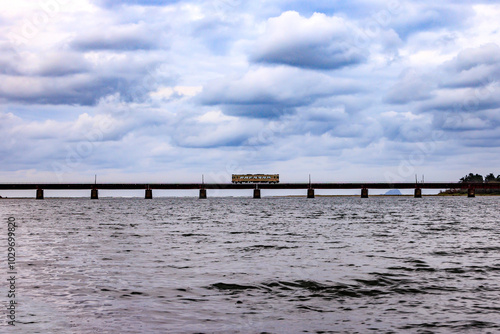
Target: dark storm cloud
488, 54
311, 56
416, 17
7, 66
461, 101
49, 64
473, 68
207, 139
461, 95
466, 83
62, 64
272, 92
272, 109
79, 90
107, 43
459, 122
122, 38
74, 84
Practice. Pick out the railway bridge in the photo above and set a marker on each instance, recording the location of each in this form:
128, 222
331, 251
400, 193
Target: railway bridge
203, 187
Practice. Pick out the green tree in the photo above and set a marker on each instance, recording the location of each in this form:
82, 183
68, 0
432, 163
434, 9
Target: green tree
490, 178
471, 178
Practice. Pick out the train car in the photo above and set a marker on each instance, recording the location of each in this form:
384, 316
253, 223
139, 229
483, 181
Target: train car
256, 178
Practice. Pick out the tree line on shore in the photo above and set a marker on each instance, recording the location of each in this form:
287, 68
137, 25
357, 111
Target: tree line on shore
478, 178
475, 178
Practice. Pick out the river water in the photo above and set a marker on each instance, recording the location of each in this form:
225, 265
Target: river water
242, 265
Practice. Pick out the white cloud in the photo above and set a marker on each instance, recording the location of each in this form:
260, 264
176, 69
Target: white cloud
168, 92
214, 117
320, 42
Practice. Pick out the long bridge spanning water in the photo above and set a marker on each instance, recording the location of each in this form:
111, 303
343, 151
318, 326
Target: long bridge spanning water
203, 187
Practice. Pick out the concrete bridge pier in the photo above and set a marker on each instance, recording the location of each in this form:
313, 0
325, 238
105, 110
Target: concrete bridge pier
39, 194
310, 193
471, 192
94, 194
418, 193
203, 193
256, 193
149, 194
364, 193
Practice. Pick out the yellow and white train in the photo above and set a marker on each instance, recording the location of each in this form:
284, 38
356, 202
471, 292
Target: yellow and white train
256, 178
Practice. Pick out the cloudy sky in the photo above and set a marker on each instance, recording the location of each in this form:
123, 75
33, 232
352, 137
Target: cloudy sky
164, 91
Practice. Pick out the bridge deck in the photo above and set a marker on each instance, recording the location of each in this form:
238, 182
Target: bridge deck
182, 186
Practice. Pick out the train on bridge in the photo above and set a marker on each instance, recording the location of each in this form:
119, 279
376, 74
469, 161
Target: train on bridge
256, 178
